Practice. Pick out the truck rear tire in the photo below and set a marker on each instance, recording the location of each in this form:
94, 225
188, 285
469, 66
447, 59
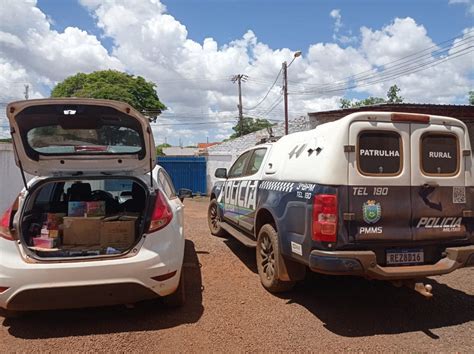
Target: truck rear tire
213, 219
268, 261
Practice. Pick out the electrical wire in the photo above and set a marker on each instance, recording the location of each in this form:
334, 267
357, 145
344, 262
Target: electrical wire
400, 69
266, 95
385, 76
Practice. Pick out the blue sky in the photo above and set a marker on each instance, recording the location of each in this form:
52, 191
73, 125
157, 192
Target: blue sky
281, 23
191, 49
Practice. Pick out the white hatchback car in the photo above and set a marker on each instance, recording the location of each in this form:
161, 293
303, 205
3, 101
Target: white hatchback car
69, 240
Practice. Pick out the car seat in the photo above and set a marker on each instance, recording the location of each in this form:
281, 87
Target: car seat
136, 204
79, 192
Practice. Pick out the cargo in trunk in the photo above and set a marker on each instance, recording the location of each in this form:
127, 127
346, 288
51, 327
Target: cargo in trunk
66, 218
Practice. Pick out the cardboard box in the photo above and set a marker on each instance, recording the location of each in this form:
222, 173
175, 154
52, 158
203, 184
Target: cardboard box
53, 220
76, 208
41, 242
82, 231
95, 209
118, 232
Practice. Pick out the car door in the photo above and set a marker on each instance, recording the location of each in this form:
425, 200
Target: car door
248, 187
231, 187
438, 181
240, 189
379, 181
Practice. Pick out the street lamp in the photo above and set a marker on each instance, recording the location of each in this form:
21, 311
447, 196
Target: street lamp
285, 67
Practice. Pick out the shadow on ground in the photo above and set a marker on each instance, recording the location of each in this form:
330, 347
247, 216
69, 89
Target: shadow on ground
145, 316
355, 307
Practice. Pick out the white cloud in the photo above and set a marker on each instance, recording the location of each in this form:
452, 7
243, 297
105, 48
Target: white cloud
342, 38
193, 78
469, 5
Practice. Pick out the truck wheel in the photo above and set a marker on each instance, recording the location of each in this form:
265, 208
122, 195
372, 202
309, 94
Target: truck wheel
268, 252
178, 298
213, 219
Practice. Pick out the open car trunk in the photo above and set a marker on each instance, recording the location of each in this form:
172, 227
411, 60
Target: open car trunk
67, 218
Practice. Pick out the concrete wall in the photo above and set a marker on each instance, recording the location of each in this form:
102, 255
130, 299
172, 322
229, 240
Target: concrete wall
11, 182
214, 162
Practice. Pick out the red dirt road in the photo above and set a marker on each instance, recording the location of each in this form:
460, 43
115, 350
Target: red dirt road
228, 310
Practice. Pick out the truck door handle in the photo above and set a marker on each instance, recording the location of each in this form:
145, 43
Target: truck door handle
467, 213
348, 216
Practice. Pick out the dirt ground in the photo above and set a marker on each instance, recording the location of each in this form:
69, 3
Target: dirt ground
228, 310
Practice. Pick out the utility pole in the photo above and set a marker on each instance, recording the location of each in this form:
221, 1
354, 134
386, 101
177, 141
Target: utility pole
27, 89
239, 78
284, 68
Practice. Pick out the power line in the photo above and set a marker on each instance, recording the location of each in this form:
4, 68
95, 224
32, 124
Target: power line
386, 76
401, 68
266, 95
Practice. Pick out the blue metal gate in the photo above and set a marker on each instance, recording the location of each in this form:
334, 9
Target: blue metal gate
186, 172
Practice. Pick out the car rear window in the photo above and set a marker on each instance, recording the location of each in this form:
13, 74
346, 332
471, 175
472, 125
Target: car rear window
79, 130
439, 154
379, 153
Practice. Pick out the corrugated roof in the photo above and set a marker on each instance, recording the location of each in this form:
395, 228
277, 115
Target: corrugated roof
463, 112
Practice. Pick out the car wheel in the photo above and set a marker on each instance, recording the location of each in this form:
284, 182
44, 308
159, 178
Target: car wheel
213, 219
268, 258
178, 298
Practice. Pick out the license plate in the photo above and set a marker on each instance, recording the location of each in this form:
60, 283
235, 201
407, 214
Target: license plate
405, 257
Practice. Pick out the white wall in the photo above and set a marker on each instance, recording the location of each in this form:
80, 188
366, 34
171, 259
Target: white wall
11, 182
214, 162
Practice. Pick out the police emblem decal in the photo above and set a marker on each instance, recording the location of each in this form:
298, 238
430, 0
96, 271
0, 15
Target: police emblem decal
371, 211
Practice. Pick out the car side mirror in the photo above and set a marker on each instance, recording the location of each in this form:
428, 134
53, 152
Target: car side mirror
185, 193
221, 173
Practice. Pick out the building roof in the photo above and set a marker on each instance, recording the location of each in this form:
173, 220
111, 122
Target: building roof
180, 151
462, 112
206, 145
235, 146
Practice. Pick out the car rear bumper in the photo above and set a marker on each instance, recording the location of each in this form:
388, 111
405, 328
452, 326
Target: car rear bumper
76, 284
364, 263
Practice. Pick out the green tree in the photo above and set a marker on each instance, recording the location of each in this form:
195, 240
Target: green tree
159, 149
392, 94
471, 97
392, 97
113, 85
249, 125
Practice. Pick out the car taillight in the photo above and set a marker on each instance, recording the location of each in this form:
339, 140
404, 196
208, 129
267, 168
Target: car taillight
5, 222
325, 218
162, 214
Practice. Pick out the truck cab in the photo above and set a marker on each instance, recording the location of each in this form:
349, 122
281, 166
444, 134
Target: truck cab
381, 195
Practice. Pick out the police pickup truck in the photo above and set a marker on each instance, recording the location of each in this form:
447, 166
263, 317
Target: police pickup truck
381, 195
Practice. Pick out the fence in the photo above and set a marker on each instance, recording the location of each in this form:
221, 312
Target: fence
186, 172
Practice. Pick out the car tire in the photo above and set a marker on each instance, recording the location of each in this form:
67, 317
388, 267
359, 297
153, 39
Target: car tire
213, 219
268, 261
178, 298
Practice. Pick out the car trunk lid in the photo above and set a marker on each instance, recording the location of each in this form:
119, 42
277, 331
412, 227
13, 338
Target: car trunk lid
64, 137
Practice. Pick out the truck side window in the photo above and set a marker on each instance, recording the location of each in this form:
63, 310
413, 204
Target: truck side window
379, 153
439, 154
238, 167
256, 161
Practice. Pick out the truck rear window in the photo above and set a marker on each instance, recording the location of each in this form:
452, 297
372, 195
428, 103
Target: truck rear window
439, 154
379, 153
